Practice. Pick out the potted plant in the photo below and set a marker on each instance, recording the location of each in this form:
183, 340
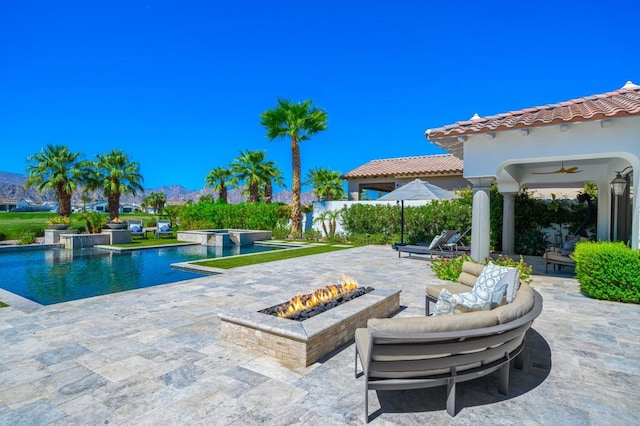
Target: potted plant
117, 223
59, 222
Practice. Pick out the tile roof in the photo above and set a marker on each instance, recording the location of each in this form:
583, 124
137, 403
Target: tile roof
445, 164
619, 103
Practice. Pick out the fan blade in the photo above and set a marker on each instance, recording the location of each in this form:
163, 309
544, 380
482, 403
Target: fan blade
573, 169
544, 173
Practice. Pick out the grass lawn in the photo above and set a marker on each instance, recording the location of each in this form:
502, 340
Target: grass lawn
271, 256
14, 224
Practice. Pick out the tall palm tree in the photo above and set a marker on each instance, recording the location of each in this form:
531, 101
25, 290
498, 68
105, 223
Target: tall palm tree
272, 174
217, 179
56, 168
249, 169
298, 121
327, 185
116, 174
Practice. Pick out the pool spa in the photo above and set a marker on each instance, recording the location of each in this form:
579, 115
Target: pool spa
58, 275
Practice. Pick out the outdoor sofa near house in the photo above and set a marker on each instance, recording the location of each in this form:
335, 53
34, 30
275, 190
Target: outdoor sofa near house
420, 352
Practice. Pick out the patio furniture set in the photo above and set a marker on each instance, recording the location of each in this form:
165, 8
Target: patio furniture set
478, 327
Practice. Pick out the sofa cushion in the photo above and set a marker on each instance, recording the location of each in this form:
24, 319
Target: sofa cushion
467, 279
467, 321
458, 303
490, 287
472, 268
454, 288
135, 228
521, 305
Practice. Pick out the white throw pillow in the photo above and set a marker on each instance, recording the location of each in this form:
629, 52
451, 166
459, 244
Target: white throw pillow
448, 303
512, 277
489, 286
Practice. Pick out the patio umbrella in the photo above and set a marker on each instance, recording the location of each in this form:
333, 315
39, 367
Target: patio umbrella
416, 190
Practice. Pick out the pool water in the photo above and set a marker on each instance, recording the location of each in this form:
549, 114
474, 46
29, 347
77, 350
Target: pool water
59, 275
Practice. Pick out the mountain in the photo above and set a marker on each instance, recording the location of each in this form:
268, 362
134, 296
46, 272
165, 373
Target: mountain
12, 186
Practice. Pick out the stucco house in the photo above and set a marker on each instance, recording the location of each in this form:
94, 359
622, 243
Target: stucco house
591, 139
387, 174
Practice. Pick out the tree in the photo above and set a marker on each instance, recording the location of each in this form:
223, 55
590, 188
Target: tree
272, 174
116, 175
217, 179
156, 201
327, 185
249, 169
297, 121
56, 168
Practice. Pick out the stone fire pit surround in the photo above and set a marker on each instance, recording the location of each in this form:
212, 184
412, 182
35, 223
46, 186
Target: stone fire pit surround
301, 343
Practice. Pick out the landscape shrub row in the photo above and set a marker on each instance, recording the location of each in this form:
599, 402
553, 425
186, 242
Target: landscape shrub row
204, 215
382, 223
608, 271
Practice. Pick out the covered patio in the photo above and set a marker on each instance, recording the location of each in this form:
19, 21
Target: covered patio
567, 144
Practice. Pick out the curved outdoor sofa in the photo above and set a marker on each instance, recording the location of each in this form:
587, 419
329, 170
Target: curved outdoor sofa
421, 352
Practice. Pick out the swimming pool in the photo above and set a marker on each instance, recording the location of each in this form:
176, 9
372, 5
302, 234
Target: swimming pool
59, 275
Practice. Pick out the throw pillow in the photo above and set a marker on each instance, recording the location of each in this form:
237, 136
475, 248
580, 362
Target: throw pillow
136, 228
165, 228
489, 286
569, 246
448, 303
434, 242
512, 278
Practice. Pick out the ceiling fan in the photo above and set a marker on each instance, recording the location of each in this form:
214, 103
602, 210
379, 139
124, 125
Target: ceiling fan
561, 170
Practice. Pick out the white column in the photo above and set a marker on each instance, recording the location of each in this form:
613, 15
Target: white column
508, 223
635, 209
603, 226
480, 219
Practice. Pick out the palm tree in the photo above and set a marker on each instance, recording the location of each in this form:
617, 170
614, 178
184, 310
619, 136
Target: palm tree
156, 200
217, 179
327, 185
58, 169
297, 121
249, 169
116, 174
272, 174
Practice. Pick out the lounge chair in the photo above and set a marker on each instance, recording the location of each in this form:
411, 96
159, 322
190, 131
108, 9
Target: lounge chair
135, 226
163, 228
438, 245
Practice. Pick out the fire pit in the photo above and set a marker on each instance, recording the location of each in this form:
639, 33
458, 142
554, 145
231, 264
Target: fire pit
303, 307
301, 343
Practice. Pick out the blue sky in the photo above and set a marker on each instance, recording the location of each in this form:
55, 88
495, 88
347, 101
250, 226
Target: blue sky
180, 86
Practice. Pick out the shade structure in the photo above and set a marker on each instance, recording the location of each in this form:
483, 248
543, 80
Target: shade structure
416, 190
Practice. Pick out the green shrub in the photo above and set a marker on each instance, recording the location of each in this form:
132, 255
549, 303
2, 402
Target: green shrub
364, 239
450, 268
608, 271
421, 223
27, 237
3, 236
230, 216
531, 241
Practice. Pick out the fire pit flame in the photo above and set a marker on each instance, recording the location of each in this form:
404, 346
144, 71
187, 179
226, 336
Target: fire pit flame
319, 297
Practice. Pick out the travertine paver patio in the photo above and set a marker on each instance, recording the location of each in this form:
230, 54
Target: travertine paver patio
153, 356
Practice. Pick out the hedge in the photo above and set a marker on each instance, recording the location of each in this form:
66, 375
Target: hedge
608, 271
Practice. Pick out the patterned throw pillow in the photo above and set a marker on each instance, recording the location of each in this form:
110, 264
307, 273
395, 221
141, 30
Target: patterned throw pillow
448, 303
490, 286
512, 278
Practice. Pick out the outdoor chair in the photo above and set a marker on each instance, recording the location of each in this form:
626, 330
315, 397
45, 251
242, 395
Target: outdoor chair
135, 226
438, 245
163, 228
